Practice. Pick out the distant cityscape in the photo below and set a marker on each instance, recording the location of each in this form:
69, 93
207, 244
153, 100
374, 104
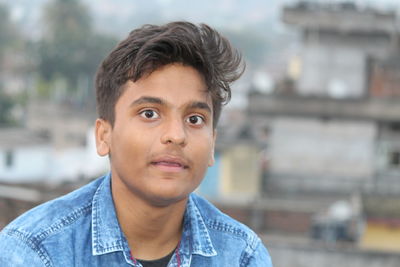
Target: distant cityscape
308, 154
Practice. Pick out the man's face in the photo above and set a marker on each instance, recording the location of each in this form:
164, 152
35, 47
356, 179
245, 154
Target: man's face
162, 140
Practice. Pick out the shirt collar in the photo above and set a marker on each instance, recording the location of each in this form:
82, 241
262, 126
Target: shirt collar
106, 233
195, 230
107, 236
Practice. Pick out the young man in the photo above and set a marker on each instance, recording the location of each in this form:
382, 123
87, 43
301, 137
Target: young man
159, 97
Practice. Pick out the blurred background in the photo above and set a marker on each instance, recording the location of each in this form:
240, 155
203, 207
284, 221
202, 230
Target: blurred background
308, 151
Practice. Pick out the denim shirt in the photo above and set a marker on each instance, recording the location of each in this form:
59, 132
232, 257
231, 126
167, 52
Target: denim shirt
81, 229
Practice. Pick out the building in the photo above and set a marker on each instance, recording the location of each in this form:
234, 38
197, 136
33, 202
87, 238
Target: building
28, 157
25, 155
340, 41
329, 145
236, 174
338, 131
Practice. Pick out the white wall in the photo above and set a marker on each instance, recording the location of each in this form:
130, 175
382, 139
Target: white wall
46, 164
333, 71
338, 152
29, 163
336, 65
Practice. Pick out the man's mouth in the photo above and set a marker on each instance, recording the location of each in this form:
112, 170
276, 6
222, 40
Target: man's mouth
170, 164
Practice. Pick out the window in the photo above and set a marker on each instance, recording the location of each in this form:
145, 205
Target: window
394, 159
394, 127
9, 159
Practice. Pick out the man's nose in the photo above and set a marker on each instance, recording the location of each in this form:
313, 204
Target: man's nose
174, 132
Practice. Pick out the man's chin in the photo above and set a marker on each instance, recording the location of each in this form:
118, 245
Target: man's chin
164, 200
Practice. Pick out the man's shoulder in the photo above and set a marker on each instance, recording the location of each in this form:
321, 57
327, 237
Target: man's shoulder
232, 240
218, 221
52, 216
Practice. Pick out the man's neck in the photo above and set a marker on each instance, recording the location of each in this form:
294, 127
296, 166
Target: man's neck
152, 231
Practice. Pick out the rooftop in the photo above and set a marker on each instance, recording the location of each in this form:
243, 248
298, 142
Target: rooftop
21, 137
377, 109
344, 18
20, 193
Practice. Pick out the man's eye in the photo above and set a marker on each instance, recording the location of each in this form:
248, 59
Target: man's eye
149, 114
195, 120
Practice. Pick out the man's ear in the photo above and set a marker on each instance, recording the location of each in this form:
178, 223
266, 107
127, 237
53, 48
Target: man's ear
211, 161
103, 137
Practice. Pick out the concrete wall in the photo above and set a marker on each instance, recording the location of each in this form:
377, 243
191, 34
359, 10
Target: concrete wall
267, 216
241, 172
292, 255
335, 71
313, 154
336, 65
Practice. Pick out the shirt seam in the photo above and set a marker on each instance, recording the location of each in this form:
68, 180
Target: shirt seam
210, 247
249, 238
35, 241
63, 222
247, 255
32, 243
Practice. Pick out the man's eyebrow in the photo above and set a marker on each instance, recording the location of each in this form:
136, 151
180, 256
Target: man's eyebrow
159, 101
147, 99
200, 105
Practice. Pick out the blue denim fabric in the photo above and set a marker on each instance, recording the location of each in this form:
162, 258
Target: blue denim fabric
81, 229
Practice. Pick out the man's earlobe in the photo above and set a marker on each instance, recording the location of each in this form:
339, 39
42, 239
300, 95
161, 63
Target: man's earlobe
211, 161
103, 137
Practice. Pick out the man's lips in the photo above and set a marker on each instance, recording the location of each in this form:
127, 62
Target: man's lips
170, 164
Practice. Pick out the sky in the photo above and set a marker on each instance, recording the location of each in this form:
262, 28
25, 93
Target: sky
119, 16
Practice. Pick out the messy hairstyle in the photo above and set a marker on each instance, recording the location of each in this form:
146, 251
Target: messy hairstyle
150, 47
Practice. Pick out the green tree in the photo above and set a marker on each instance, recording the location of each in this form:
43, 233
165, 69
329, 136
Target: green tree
70, 49
10, 44
252, 44
8, 35
62, 50
6, 105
